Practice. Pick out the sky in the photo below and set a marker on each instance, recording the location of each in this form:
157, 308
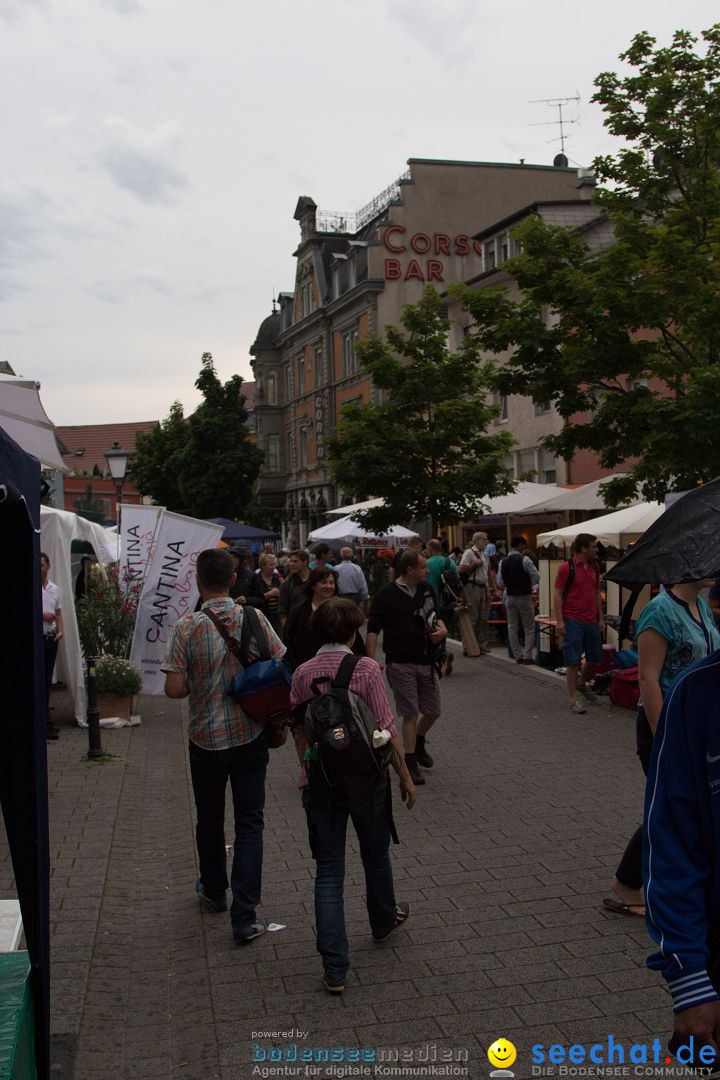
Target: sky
154, 152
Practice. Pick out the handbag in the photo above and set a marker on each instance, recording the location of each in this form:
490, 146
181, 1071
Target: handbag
262, 688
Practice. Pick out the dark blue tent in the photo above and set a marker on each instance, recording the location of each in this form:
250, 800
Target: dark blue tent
237, 533
23, 756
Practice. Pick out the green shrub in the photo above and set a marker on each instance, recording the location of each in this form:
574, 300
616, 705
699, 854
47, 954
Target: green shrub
114, 675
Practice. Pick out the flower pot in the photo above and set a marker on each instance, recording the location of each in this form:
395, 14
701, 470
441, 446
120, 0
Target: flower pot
110, 705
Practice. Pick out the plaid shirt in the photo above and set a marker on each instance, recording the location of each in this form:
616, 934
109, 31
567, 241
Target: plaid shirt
197, 651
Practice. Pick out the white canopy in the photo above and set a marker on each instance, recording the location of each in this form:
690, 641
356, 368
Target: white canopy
585, 497
58, 528
615, 528
347, 531
348, 511
526, 494
24, 419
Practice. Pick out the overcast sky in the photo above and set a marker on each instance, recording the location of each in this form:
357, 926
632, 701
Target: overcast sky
153, 152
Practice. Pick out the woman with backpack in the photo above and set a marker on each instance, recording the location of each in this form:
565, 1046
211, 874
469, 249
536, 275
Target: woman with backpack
351, 782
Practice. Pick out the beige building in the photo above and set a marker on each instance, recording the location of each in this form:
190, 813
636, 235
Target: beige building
354, 274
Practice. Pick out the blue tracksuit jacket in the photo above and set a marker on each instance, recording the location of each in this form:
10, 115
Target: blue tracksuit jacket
682, 833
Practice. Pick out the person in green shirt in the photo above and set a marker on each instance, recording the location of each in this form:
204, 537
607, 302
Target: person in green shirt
437, 563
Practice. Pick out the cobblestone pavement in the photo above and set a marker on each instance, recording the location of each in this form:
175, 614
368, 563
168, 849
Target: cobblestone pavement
504, 860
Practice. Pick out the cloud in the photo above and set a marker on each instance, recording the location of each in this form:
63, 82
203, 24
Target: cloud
13, 12
123, 7
141, 162
116, 289
449, 31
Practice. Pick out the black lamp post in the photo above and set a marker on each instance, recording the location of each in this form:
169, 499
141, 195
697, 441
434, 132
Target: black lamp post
117, 460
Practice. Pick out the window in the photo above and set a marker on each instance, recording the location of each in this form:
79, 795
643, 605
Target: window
547, 470
306, 297
508, 464
271, 389
542, 408
502, 403
272, 453
301, 373
350, 363
526, 461
504, 247
490, 255
637, 384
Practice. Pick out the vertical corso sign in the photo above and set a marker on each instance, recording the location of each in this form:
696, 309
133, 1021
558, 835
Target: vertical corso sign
169, 590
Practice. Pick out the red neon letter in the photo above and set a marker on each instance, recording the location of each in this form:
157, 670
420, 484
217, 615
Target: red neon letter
393, 270
420, 243
395, 248
414, 271
434, 270
462, 245
478, 246
442, 244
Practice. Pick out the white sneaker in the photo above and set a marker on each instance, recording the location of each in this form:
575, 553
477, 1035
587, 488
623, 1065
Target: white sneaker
577, 707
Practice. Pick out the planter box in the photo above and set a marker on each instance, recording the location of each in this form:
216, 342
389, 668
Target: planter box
110, 705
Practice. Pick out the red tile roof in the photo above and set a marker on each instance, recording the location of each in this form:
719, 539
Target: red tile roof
248, 389
86, 444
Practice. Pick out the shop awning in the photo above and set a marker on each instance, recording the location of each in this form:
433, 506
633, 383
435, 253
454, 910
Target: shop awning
616, 528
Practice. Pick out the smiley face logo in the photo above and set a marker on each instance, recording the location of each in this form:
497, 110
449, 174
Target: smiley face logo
502, 1053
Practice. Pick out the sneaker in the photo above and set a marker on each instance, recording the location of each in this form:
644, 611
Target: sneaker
586, 692
246, 934
577, 707
414, 769
401, 913
215, 905
333, 988
448, 665
423, 758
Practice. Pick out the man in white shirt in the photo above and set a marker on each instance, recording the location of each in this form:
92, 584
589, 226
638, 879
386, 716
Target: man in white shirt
478, 579
52, 634
351, 581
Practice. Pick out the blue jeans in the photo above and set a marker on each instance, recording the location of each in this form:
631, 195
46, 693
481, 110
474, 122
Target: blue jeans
327, 828
245, 767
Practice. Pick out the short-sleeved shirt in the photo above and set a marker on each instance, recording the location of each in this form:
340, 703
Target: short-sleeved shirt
478, 574
581, 601
51, 604
688, 640
197, 651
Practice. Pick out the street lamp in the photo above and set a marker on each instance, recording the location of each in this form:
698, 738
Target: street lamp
117, 460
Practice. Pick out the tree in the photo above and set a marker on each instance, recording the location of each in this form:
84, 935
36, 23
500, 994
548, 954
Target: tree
204, 465
90, 506
630, 354
425, 450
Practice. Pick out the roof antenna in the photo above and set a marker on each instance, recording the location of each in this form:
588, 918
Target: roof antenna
559, 104
274, 310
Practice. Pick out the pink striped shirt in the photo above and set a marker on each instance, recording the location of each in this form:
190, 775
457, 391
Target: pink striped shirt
367, 682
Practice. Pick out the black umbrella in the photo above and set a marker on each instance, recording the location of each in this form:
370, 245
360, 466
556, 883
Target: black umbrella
682, 545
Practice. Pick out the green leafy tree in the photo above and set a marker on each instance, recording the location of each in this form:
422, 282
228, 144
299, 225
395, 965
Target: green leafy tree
204, 465
630, 353
425, 449
90, 506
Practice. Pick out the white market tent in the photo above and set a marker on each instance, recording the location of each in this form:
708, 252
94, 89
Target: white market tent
58, 528
616, 528
526, 494
585, 497
347, 531
24, 419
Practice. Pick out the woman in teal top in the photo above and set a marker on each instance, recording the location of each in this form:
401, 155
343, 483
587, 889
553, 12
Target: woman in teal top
674, 630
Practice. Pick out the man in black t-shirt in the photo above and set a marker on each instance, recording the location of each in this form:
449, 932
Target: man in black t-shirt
405, 613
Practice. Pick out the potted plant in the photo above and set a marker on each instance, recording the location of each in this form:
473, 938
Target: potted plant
117, 681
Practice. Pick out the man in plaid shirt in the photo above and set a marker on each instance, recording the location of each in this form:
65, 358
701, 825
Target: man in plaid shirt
224, 744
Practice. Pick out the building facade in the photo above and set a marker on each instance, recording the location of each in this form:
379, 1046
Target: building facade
354, 274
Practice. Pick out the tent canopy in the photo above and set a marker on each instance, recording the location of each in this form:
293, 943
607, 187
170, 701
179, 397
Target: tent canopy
585, 497
610, 528
348, 511
237, 532
526, 494
58, 529
24, 419
347, 531
682, 545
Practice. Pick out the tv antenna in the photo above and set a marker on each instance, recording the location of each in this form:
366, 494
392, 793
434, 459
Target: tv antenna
559, 104
274, 306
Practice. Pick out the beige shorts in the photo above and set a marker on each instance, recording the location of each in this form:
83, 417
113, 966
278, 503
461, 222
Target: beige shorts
415, 689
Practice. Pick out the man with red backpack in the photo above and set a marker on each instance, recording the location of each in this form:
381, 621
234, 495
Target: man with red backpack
579, 617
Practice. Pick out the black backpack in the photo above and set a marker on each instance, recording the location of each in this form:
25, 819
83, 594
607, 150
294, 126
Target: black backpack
341, 761
449, 587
